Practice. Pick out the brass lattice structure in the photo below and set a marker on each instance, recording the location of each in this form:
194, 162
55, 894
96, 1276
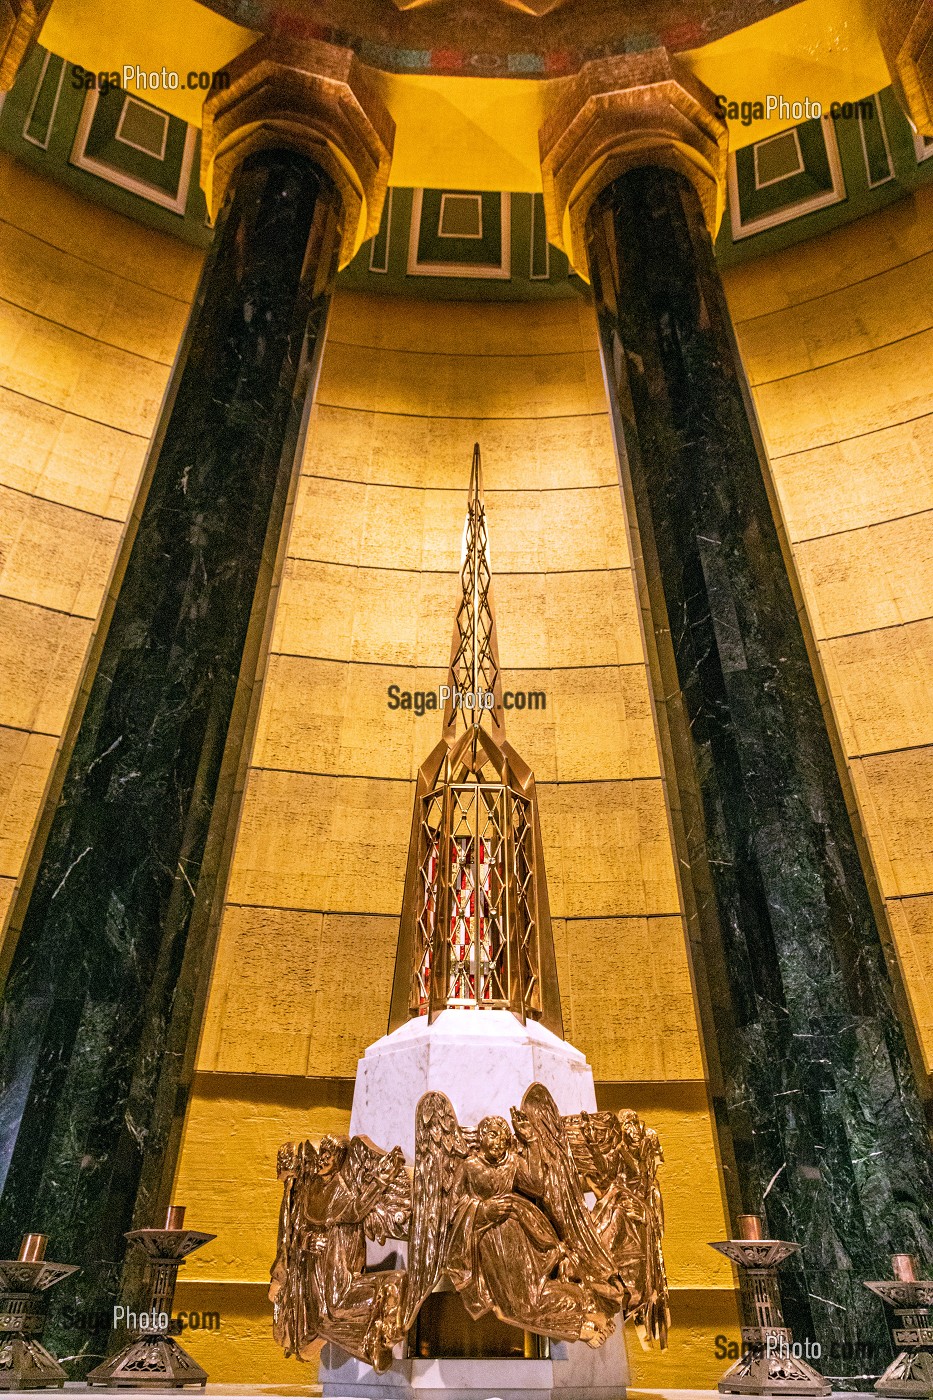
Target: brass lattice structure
476, 927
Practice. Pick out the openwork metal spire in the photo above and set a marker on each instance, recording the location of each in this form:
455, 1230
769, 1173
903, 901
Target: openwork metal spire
474, 653
476, 927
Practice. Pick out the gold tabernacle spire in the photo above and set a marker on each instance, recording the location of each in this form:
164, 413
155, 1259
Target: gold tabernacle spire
474, 653
476, 927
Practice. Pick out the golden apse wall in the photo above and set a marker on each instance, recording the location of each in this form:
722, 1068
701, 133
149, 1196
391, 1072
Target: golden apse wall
92, 308
836, 335
837, 339
370, 587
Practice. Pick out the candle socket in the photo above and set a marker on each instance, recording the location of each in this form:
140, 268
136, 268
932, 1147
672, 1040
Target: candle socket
32, 1249
904, 1268
175, 1218
751, 1227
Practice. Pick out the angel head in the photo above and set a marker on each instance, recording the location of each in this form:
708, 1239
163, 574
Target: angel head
494, 1137
288, 1162
331, 1155
633, 1129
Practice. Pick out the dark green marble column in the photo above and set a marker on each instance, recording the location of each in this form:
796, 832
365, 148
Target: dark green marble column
814, 1091
102, 1001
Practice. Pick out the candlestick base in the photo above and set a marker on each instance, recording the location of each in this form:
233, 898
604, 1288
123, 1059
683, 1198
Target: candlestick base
26, 1365
910, 1374
767, 1366
149, 1363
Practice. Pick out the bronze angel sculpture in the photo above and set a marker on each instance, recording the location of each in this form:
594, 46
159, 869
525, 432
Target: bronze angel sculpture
334, 1199
499, 1211
618, 1159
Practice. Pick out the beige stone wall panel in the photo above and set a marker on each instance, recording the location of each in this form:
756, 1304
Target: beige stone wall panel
912, 924
54, 556
472, 386
569, 619
884, 683
95, 235
862, 481
25, 763
337, 716
72, 461
639, 1022
557, 531
339, 612
412, 528
7, 888
857, 395
544, 620
595, 723
888, 307
895, 792
607, 849
309, 1020
60, 367
881, 576
41, 652
243, 1345
312, 842
396, 449
478, 329
38, 277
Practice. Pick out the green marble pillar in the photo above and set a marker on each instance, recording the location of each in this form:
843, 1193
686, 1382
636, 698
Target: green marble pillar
102, 1002
816, 1104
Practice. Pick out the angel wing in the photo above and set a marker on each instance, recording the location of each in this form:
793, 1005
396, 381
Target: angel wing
381, 1179
295, 1162
593, 1138
440, 1149
562, 1189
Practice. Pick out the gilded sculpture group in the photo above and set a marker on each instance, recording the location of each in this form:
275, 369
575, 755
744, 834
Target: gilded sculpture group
501, 1211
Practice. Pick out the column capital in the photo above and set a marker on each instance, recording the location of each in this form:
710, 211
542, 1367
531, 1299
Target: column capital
20, 22
905, 29
616, 113
310, 97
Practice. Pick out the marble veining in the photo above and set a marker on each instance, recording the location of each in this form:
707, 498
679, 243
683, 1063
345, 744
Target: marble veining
108, 978
817, 1107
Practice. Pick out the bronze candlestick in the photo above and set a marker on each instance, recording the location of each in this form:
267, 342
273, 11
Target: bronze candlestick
772, 1363
24, 1362
154, 1359
911, 1371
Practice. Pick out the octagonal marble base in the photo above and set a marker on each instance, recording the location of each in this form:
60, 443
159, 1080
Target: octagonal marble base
573, 1372
483, 1061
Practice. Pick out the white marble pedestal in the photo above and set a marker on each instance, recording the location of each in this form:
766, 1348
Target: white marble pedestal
483, 1061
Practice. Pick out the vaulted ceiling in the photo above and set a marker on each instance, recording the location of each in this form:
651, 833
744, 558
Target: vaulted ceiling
482, 36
